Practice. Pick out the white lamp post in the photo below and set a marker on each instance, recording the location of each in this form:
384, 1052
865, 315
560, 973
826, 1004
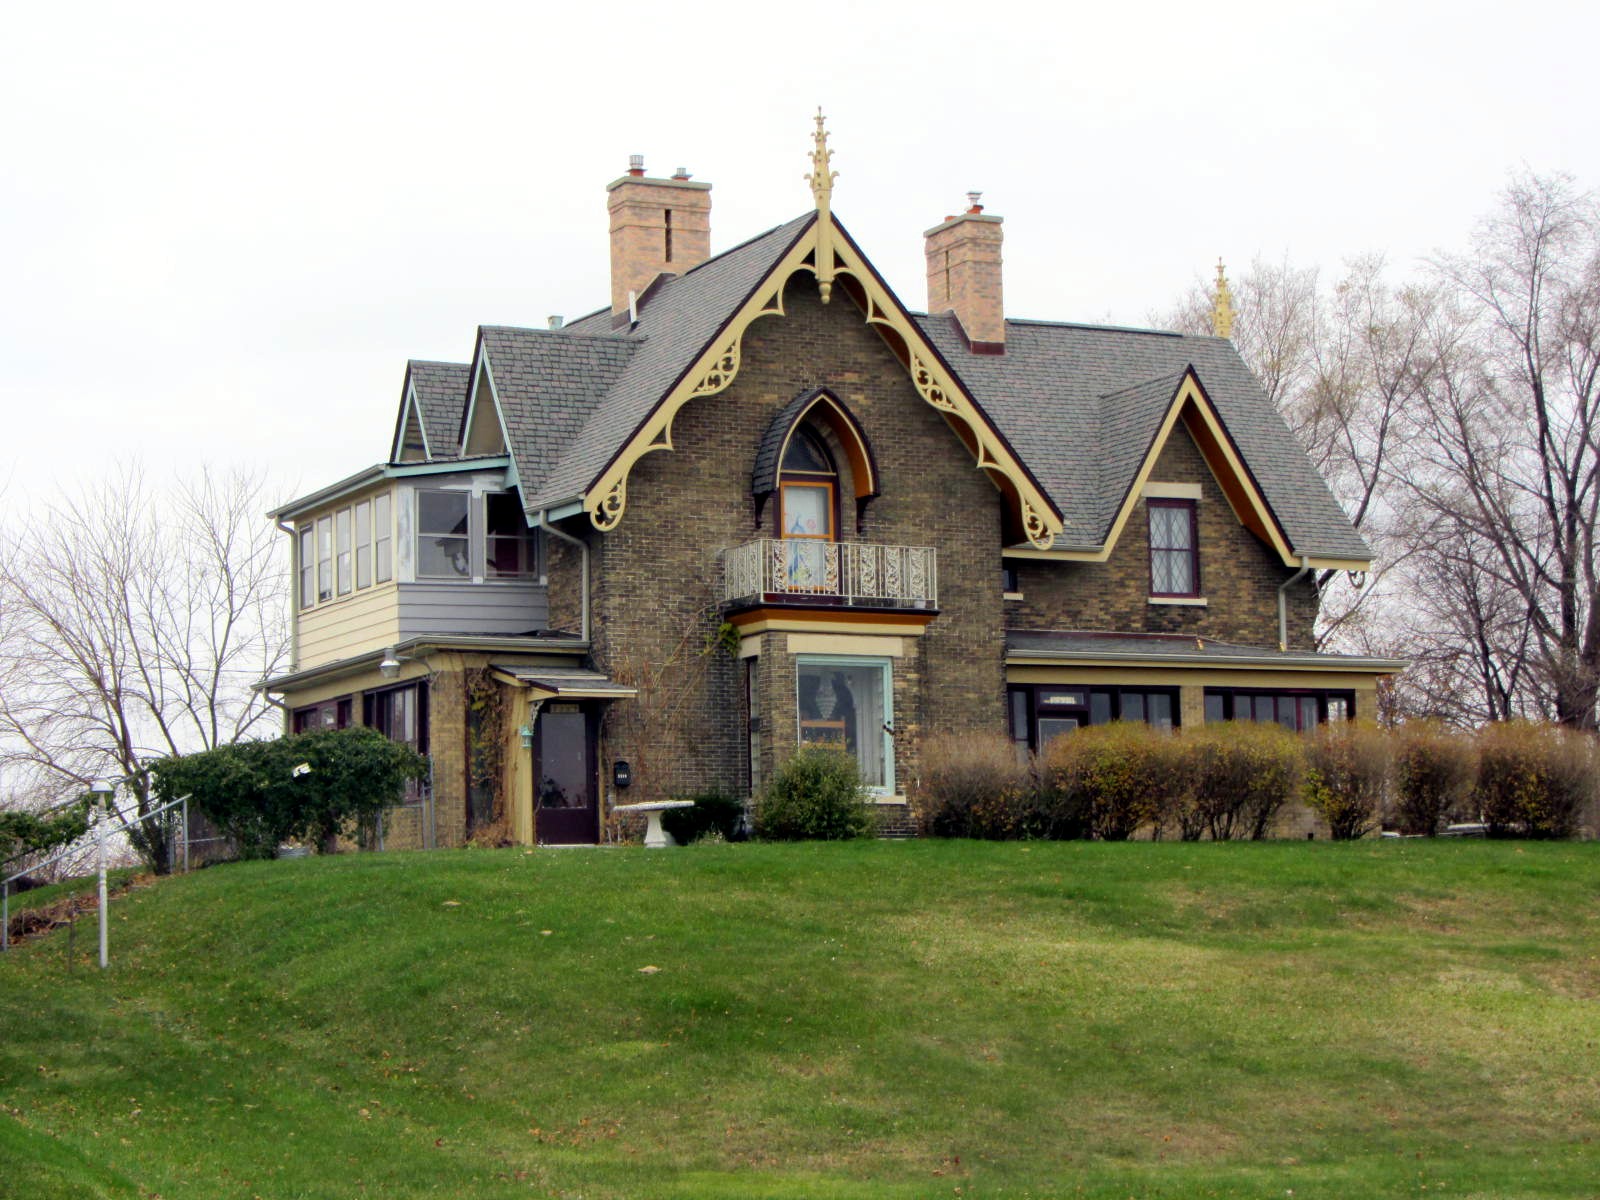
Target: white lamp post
102, 791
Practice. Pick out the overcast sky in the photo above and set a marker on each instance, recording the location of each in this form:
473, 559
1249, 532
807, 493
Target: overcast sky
224, 228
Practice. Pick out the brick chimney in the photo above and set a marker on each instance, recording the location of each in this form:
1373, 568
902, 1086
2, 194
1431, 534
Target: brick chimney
657, 226
964, 275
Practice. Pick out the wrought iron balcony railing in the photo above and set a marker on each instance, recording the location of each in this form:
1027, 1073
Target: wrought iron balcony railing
799, 570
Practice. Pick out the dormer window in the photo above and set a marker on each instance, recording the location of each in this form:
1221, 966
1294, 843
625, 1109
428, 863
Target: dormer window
1174, 557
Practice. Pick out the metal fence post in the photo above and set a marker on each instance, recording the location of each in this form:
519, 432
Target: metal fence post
186, 835
5, 915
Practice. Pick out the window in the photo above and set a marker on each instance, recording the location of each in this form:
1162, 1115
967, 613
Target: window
806, 497
848, 702
1298, 709
401, 715
444, 547
382, 539
308, 566
465, 536
509, 547
1040, 714
330, 714
324, 559
364, 544
345, 551
1174, 562
752, 707
341, 530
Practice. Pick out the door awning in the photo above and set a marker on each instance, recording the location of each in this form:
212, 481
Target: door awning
566, 684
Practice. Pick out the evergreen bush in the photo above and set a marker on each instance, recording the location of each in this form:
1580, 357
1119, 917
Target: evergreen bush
712, 812
816, 795
251, 793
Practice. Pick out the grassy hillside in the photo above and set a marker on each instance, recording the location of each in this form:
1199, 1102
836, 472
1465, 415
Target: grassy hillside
904, 1020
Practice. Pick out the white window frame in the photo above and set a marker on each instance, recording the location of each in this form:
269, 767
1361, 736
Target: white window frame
886, 665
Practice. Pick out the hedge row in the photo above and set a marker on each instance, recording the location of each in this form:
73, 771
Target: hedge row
1231, 781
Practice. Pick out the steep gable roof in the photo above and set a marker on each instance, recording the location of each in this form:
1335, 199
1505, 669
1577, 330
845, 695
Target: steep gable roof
548, 383
1079, 403
441, 391
679, 317
435, 393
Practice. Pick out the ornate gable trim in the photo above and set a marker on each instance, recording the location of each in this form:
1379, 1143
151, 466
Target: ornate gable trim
825, 250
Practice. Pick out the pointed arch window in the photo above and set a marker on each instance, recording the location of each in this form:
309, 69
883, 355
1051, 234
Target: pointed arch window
808, 496
808, 488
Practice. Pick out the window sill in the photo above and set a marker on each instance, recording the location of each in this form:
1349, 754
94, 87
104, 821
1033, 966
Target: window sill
1181, 601
1011, 595
890, 801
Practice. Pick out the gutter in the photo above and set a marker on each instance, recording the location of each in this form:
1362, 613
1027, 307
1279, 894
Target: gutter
542, 521
1326, 662
1283, 600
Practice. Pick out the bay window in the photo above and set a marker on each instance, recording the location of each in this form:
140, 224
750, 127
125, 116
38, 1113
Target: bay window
849, 702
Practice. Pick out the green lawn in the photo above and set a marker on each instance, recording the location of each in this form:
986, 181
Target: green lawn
879, 1019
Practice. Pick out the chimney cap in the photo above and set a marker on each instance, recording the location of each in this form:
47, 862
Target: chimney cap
973, 202
635, 164
556, 321
682, 173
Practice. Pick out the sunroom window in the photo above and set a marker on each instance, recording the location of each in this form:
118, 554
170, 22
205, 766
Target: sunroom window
848, 702
444, 547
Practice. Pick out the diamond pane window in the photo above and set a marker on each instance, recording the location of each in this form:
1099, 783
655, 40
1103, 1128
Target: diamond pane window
1174, 565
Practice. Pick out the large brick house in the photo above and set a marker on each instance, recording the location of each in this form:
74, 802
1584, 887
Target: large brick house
755, 502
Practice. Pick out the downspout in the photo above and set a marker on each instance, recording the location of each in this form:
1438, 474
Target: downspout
544, 524
294, 614
1283, 601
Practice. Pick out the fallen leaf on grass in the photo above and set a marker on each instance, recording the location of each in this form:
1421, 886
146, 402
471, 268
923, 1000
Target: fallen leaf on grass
650, 970
452, 904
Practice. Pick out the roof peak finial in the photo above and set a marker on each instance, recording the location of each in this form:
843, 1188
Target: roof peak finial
1222, 305
822, 176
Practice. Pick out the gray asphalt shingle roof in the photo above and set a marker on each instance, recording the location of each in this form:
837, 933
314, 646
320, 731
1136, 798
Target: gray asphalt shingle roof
549, 383
1079, 404
679, 317
441, 389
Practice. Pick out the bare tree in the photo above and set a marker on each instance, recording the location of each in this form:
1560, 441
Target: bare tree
1340, 367
1504, 444
133, 626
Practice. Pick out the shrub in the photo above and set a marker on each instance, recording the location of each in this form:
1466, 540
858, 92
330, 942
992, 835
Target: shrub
1533, 779
251, 793
712, 812
1118, 776
1346, 777
1434, 772
973, 786
815, 795
1241, 775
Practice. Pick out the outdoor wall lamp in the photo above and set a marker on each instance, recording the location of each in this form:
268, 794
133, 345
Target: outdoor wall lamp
389, 665
526, 734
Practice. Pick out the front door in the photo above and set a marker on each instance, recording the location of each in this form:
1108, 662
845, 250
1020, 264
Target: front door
568, 811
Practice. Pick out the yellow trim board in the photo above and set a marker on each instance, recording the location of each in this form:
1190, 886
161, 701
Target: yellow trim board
1064, 674
774, 620
824, 251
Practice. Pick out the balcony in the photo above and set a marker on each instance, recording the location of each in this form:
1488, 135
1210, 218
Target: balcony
803, 571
